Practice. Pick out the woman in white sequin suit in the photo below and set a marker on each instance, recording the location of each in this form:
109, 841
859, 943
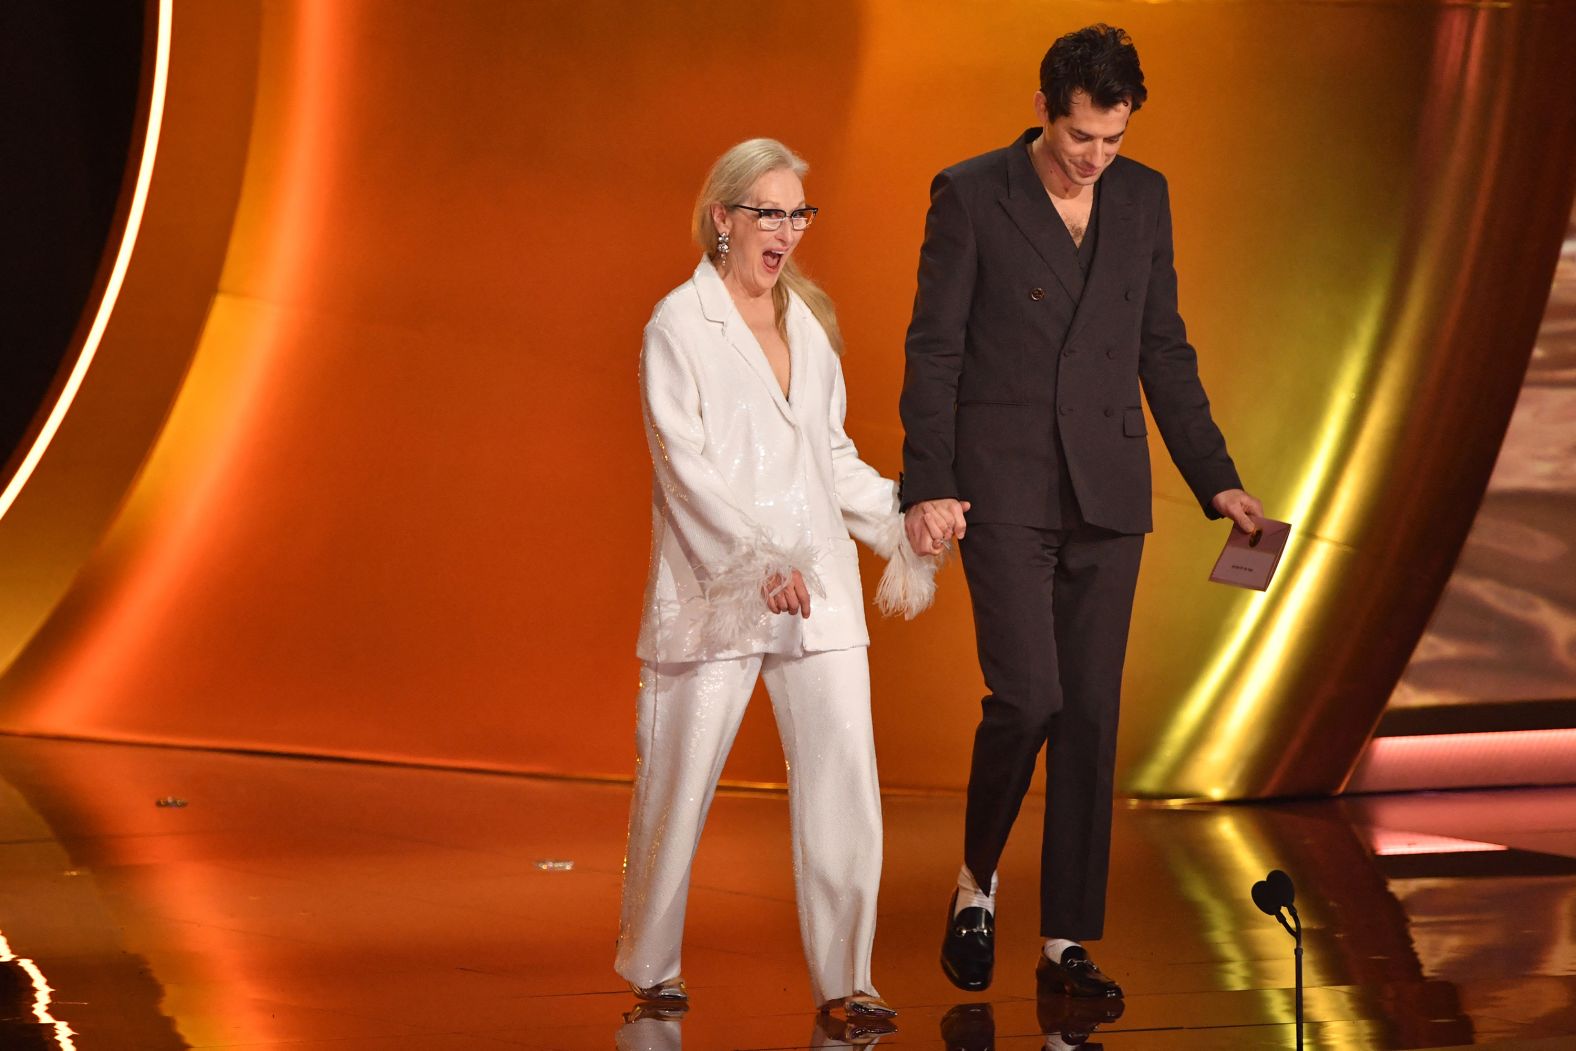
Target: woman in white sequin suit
756, 491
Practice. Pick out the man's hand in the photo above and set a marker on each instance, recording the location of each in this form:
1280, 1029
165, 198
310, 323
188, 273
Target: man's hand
1238, 506
787, 596
932, 524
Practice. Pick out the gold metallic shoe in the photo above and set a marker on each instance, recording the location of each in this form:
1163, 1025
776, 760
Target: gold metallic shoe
669, 993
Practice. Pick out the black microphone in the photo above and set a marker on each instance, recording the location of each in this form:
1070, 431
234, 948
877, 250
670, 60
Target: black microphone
1274, 893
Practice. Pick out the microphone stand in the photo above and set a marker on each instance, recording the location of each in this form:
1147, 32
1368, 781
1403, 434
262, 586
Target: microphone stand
1296, 934
1274, 895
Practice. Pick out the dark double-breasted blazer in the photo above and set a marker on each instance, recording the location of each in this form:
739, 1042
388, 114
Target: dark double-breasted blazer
1022, 373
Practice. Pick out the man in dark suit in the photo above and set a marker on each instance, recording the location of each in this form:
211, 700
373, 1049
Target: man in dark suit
1047, 298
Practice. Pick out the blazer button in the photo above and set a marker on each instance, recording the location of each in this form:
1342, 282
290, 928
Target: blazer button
1110, 411
1128, 295
1037, 294
1110, 352
1066, 410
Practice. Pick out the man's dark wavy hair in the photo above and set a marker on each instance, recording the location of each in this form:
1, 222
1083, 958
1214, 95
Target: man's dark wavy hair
1099, 60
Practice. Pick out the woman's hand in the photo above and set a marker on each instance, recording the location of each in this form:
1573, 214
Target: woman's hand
787, 596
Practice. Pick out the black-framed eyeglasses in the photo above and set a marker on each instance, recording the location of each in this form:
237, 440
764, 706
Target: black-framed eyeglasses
772, 218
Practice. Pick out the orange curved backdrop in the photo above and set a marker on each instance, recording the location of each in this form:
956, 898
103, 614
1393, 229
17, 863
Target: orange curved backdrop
398, 507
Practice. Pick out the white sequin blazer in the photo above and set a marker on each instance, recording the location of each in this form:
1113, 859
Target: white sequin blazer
747, 484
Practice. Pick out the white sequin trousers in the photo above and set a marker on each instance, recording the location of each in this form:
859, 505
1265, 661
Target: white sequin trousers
686, 720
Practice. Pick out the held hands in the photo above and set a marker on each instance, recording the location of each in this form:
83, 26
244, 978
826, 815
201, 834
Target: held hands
1238, 506
787, 596
932, 524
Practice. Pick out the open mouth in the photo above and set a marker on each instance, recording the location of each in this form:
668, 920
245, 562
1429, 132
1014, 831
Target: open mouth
773, 260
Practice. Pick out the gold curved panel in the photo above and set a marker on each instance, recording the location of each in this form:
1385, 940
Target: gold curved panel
398, 509
1391, 444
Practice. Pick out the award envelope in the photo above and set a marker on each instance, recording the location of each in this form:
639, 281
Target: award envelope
1249, 559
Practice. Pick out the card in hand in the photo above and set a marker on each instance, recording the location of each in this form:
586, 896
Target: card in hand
1249, 559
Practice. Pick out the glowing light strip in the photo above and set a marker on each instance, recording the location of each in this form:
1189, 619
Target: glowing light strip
1467, 760
41, 991
1389, 843
117, 275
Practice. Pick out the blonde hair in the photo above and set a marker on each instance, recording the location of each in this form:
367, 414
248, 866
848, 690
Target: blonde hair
730, 181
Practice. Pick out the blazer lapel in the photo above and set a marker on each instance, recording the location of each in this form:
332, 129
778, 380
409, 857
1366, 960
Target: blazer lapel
1031, 209
1115, 231
718, 307
799, 323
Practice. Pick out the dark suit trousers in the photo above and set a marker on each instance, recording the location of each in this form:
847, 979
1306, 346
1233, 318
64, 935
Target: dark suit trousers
1051, 613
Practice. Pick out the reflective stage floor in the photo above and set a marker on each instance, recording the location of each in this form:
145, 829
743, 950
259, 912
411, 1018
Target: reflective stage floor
322, 905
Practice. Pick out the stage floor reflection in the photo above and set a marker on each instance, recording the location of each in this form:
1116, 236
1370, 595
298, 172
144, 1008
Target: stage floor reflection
162, 898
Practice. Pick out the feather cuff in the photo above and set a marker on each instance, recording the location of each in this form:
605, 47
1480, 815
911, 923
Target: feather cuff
908, 584
735, 606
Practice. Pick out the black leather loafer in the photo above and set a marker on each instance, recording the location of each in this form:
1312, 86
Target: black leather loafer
968, 953
1075, 975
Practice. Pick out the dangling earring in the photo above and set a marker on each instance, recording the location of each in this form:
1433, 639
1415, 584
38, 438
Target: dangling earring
722, 248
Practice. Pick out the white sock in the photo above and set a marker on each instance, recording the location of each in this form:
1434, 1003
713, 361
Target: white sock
1054, 1042
970, 896
1054, 947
